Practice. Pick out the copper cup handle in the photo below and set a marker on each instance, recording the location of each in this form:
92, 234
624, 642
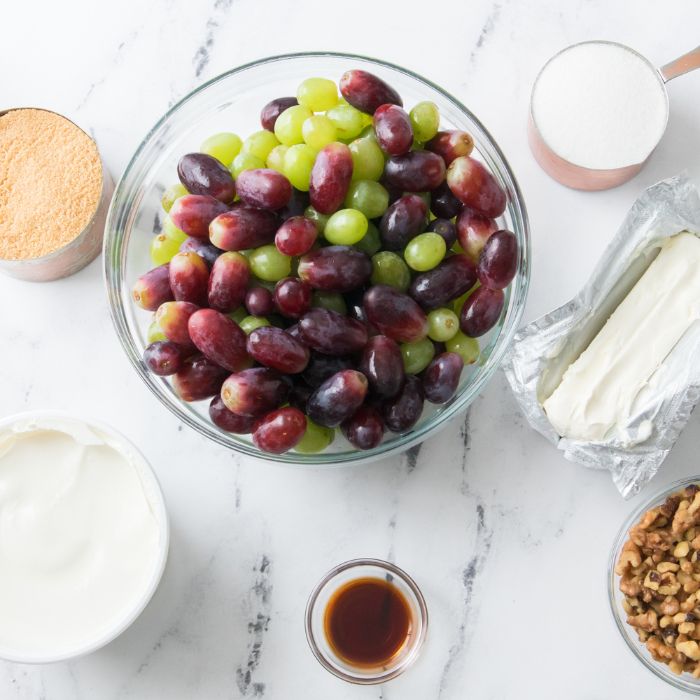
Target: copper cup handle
684, 64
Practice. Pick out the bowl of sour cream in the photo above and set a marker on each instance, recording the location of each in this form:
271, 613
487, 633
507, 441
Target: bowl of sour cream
83, 536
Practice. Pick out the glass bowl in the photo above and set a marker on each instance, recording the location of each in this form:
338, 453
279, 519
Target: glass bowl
232, 102
685, 681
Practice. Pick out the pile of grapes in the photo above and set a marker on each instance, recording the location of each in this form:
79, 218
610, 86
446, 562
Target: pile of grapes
332, 270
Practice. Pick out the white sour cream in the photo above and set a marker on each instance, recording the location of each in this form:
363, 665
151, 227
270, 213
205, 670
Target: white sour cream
80, 537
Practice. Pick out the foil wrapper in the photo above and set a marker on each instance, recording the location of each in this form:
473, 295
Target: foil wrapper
544, 349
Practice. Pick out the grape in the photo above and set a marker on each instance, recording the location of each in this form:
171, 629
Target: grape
202, 174
227, 420
288, 126
273, 109
443, 203
274, 348
335, 268
318, 131
366, 91
228, 282
169, 228
347, 121
498, 261
298, 164
402, 221
332, 333
417, 355
198, 379
164, 357
395, 314
450, 145
443, 324
259, 144
207, 251
264, 188
415, 171
446, 229
154, 333
219, 338
316, 438
441, 378
153, 288
259, 302
321, 367
337, 398
390, 269
224, 147
364, 429
467, 348
194, 212
171, 194
172, 318
318, 94
296, 205
243, 228
292, 297
319, 219
473, 230
251, 323
368, 197
425, 120
294, 331
476, 187
245, 161
382, 364
254, 391
481, 311
329, 300
345, 227
275, 160
330, 178
371, 242
189, 276
425, 251
402, 412
367, 159
280, 430
267, 263
393, 129
451, 278
299, 393
238, 315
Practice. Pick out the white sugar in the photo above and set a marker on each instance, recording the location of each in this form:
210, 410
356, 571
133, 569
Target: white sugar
600, 105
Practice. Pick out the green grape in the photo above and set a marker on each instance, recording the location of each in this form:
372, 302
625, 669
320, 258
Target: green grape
458, 303
224, 147
165, 245
267, 263
169, 228
319, 219
318, 94
417, 355
275, 159
367, 159
369, 197
250, 323
467, 348
389, 268
425, 251
371, 242
260, 144
154, 333
348, 120
329, 300
345, 227
316, 438
238, 314
298, 161
245, 161
368, 132
443, 324
289, 124
171, 194
367, 120
425, 120
318, 131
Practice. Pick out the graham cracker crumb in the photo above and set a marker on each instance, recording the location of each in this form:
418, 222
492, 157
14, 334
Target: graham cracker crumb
50, 183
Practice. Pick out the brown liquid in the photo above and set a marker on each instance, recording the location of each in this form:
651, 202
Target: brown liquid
367, 621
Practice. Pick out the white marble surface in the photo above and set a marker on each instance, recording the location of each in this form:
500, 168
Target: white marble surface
508, 541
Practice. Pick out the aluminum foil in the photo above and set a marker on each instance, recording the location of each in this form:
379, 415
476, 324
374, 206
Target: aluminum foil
542, 350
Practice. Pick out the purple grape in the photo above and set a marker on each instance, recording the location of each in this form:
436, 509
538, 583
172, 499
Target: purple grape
481, 311
364, 429
332, 333
498, 261
259, 301
321, 367
402, 412
277, 349
395, 314
393, 129
446, 229
336, 268
199, 378
415, 171
273, 109
164, 357
227, 420
453, 277
402, 221
228, 281
441, 377
264, 188
382, 364
242, 228
292, 297
205, 250
202, 174
366, 91
443, 203
296, 205
254, 391
337, 398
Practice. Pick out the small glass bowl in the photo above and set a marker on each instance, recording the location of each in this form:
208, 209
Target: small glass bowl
660, 670
316, 609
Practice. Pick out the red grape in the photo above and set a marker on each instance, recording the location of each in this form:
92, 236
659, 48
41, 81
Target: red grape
292, 297
242, 228
194, 212
228, 282
173, 317
273, 109
450, 145
476, 187
189, 277
364, 429
453, 277
415, 171
382, 364
153, 288
259, 301
202, 174
393, 129
227, 420
254, 391
443, 203
473, 230
296, 236
337, 398
277, 349
321, 367
481, 311
330, 178
402, 221
219, 338
498, 261
199, 378
336, 268
395, 314
280, 430
402, 412
332, 333
264, 188
441, 377
366, 91
164, 357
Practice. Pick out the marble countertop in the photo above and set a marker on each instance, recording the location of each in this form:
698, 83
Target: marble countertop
508, 541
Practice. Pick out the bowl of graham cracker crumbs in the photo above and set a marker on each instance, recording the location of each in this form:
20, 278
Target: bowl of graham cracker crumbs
54, 195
